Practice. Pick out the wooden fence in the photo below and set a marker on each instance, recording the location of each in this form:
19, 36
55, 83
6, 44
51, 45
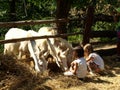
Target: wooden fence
36, 37
107, 33
30, 22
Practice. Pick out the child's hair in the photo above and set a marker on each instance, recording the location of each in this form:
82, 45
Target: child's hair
79, 50
89, 48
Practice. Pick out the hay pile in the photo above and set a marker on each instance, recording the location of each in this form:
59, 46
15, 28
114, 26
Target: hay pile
17, 75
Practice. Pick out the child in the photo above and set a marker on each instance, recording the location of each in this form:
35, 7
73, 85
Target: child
78, 66
94, 62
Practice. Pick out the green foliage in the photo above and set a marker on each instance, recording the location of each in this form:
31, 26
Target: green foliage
112, 2
36, 9
1, 45
108, 39
3, 11
103, 26
40, 8
83, 3
46, 9
75, 38
2, 32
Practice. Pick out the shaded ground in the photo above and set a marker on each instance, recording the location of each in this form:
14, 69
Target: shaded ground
16, 75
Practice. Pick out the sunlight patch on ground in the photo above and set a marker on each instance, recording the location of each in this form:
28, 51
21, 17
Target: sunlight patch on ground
97, 47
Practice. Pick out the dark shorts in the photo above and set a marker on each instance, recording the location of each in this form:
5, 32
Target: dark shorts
94, 66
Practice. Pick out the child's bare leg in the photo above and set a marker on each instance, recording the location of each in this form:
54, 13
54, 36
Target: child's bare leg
89, 68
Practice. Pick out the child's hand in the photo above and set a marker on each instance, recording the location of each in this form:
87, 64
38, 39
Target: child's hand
90, 59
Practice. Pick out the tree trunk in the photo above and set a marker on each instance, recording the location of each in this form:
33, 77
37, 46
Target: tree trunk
12, 10
63, 7
88, 25
116, 20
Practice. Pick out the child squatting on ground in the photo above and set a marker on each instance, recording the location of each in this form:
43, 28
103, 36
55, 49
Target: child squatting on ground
95, 63
78, 66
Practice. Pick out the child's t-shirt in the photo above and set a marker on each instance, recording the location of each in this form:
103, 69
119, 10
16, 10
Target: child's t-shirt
98, 60
81, 72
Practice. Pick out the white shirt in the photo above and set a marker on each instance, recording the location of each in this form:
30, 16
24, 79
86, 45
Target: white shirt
82, 68
98, 60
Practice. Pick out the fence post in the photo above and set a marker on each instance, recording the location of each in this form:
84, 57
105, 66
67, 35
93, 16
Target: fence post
116, 20
88, 25
12, 11
63, 7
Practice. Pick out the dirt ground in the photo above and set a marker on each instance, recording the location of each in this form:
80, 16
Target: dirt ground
16, 75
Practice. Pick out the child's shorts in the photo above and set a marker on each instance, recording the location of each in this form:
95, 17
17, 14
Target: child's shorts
94, 67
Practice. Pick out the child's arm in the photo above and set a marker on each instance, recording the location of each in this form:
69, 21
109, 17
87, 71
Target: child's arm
74, 67
89, 59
